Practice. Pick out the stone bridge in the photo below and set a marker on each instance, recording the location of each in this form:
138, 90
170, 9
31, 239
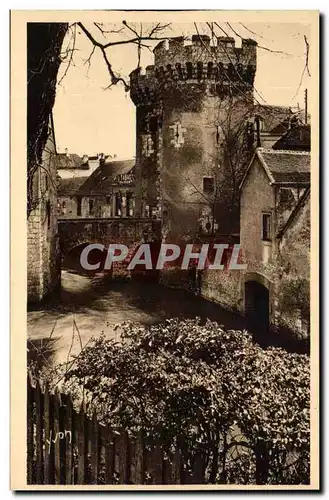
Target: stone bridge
127, 231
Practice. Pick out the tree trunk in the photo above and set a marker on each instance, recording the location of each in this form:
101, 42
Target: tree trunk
44, 43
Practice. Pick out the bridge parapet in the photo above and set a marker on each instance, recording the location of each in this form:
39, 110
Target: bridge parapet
127, 231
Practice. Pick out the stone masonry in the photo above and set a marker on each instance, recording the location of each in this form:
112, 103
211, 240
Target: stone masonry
43, 259
182, 105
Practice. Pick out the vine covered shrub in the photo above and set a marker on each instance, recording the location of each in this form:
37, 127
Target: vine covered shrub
217, 397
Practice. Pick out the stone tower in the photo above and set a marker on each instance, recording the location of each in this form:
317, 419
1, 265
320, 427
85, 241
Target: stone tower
185, 105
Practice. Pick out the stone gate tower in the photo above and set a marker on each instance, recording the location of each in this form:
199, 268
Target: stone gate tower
185, 105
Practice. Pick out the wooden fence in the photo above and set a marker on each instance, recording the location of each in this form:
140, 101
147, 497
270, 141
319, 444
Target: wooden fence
66, 447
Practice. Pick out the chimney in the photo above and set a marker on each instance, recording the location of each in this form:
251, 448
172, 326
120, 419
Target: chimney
67, 152
258, 143
101, 158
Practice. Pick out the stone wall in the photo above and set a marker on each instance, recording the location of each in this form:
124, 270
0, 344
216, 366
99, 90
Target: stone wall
224, 288
283, 263
104, 206
293, 301
43, 260
131, 232
67, 207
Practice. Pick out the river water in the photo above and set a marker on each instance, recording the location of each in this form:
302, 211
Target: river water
87, 306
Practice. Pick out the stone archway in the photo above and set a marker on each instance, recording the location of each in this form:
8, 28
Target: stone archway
257, 304
71, 259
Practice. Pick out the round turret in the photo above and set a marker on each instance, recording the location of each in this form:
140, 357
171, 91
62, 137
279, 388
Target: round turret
178, 60
183, 103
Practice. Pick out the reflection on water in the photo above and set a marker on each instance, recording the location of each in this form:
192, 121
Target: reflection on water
97, 304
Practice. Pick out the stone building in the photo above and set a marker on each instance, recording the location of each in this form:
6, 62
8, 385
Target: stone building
67, 200
43, 259
275, 240
71, 165
197, 125
107, 192
192, 115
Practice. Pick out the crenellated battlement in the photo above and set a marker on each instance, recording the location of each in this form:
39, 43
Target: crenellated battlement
200, 49
143, 85
178, 60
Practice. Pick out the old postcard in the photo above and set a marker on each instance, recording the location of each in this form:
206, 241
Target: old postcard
165, 327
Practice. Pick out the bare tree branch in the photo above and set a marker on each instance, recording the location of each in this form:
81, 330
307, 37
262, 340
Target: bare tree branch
71, 55
260, 46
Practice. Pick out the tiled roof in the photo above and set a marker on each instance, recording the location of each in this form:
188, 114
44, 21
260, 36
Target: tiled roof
296, 139
286, 166
108, 175
283, 167
70, 161
69, 187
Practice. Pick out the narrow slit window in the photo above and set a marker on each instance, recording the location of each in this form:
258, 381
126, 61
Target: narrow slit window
79, 204
91, 207
266, 227
189, 70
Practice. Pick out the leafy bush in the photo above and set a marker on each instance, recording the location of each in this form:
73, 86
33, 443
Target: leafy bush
240, 410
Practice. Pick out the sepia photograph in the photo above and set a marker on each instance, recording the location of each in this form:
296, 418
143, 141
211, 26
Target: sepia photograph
170, 296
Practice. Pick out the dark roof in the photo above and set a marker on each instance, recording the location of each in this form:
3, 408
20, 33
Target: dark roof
69, 187
107, 175
70, 161
301, 202
296, 139
283, 167
286, 166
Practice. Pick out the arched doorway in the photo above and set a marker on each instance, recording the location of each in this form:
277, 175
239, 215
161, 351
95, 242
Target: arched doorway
257, 309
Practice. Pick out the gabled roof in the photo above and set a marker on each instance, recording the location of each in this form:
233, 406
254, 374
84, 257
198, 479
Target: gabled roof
283, 167
296, 139
301, 202
69, 187
107, 175
70, 161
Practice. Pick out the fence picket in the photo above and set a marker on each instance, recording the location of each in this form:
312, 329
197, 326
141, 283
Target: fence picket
123, 458
66, 447
176, 468
158, 458
94, 455
198, 469
56, 440
167, 471
81, 446
68, 427
29, 432
48, 447
139, 473
109, 455
38, 397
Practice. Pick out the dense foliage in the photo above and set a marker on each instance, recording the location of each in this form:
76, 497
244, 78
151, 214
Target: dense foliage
240, 410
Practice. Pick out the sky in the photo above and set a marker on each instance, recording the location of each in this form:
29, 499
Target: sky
91, 119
